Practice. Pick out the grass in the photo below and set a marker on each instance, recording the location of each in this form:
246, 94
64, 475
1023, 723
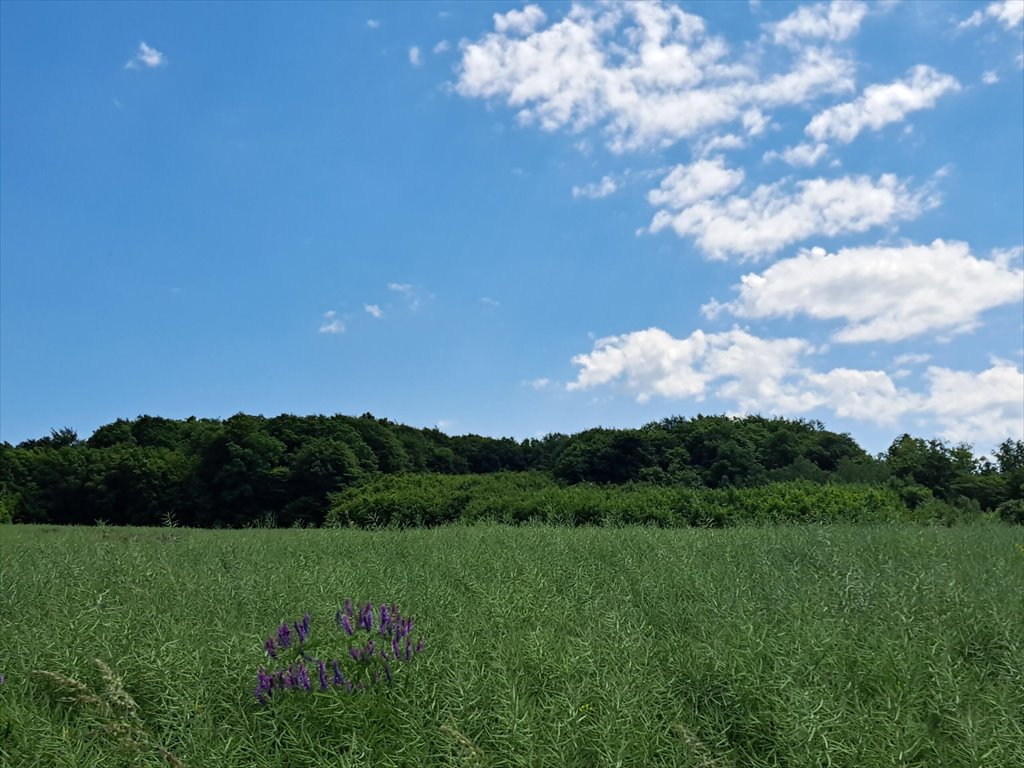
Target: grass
799, 646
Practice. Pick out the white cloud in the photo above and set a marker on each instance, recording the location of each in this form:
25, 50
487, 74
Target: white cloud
688, 184
837, 21
775, 215
596, 190
760, 375
442, 47
146, 58
331, 323
990, 77
374, 310
911, 358
488, 301
717, 143
373, 23
1009, 13
802, 155
1004, 257
652, 362
881, 105
882, 293
414, 56
982, 408
409, 293
649, 72
538, 384
519, 22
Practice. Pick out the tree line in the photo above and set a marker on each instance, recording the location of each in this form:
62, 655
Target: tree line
288, 470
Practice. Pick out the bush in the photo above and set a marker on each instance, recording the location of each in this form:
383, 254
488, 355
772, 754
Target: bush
415, 500
1011, 511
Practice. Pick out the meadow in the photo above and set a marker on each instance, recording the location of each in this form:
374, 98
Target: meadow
840, 645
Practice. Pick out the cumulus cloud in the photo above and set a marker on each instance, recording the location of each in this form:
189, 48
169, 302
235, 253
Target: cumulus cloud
881, 105
374, 310
836, 21
653, 362
649, 73
770, 375
146, 58
519, 22
688, 184
776, 215
415, 57
982, 408
332, 323
596, 190
990, 77
1009, 13
882, 293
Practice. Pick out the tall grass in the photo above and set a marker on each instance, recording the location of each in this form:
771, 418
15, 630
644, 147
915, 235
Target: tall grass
843, 646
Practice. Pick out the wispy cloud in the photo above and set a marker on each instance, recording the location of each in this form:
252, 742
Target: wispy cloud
1009, 13
882, 104
146, 57
488, 301
415, 57
374, 310
596, 190
331, 323
373, 23
442, 47
409, 292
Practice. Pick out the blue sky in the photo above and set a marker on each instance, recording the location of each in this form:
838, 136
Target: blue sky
513, 219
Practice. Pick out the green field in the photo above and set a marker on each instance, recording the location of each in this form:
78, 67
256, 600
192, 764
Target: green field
849, 646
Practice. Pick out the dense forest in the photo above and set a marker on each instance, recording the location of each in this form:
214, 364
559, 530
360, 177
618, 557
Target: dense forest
307, 470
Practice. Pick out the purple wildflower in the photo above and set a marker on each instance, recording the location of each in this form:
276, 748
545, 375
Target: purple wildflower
348, 607
348, 686
284, 636
269, 647
394, 646
288, 680
322, 669
408, 648
303, 677
383, 617
346, 625
419, 644
370, 647
338, 677
354, 653
366, 618
260, 697
264, 681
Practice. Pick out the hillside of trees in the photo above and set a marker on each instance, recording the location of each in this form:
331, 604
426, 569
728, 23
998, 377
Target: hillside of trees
305, 470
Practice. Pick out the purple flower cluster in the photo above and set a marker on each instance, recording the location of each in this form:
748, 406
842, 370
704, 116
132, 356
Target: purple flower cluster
387, 640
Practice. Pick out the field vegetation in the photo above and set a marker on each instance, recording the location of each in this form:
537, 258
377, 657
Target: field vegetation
840, 645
